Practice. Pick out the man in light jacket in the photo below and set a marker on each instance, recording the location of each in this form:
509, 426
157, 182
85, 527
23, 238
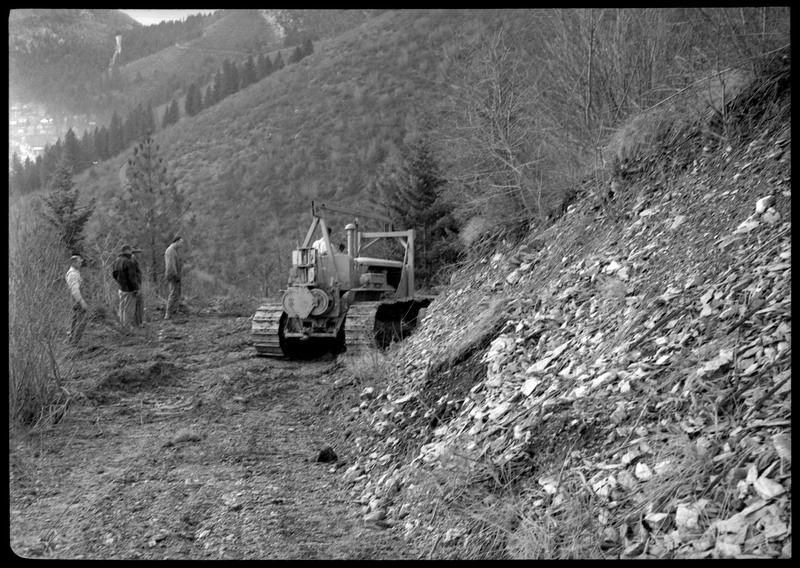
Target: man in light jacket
320, 245
79, 307
173, 264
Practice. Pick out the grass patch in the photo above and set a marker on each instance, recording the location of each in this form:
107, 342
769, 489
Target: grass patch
367, 368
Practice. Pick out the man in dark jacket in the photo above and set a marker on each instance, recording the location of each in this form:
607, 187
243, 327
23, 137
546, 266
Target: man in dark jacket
124, 273
138, 318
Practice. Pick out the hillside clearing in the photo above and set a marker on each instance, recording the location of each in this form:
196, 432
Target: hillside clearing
185, 445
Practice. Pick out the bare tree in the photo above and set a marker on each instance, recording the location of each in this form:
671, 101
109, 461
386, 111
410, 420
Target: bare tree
546, 96
496, 133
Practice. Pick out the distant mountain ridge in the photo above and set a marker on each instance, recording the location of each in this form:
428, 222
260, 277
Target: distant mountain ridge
60, 57
296, 25
56, 50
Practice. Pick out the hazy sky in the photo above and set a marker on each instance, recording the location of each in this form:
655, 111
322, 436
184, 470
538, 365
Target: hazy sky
150, 17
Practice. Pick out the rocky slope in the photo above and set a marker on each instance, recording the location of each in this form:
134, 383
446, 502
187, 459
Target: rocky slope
619, 385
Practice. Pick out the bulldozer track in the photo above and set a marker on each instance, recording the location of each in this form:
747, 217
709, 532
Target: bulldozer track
266, 329
360, 326
363, 327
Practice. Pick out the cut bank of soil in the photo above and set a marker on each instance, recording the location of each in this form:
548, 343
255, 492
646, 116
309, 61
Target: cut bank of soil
185, 445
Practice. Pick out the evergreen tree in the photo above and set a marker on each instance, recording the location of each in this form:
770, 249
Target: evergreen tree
249, 74
29, 180
219, 87
71, 151
171, 114
297, 55
60, 207
278, 63
264, 66
87, 150
153, 209
188, 102
194, 101
50, 158
175, 111
411, 193
308, 47
230, 78
148, 120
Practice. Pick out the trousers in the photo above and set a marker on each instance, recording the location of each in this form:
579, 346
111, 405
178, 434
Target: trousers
79, 319
138, 312
174, 298
127, 308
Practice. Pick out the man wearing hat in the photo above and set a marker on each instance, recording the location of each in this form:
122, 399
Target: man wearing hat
124, 273
172, 273
138, 313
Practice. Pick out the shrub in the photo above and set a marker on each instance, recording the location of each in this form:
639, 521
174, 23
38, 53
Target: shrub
38, 315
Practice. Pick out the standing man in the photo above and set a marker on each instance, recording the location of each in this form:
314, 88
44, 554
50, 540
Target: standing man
320, 245
138, 313
79, 307
124, 273
172, 273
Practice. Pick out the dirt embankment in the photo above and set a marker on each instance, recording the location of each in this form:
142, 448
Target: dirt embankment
184, 445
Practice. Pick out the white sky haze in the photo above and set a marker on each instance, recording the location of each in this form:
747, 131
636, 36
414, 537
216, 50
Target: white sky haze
151, 17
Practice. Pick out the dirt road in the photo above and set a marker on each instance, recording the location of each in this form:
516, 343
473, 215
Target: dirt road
184, 445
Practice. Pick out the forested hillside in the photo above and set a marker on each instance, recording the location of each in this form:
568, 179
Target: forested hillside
58, 55
143, 41
319, 129
329, 127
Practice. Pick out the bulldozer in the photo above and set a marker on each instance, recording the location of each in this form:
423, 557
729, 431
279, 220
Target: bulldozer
341, 300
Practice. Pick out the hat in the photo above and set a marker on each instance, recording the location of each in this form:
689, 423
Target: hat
136, 249
126, 248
